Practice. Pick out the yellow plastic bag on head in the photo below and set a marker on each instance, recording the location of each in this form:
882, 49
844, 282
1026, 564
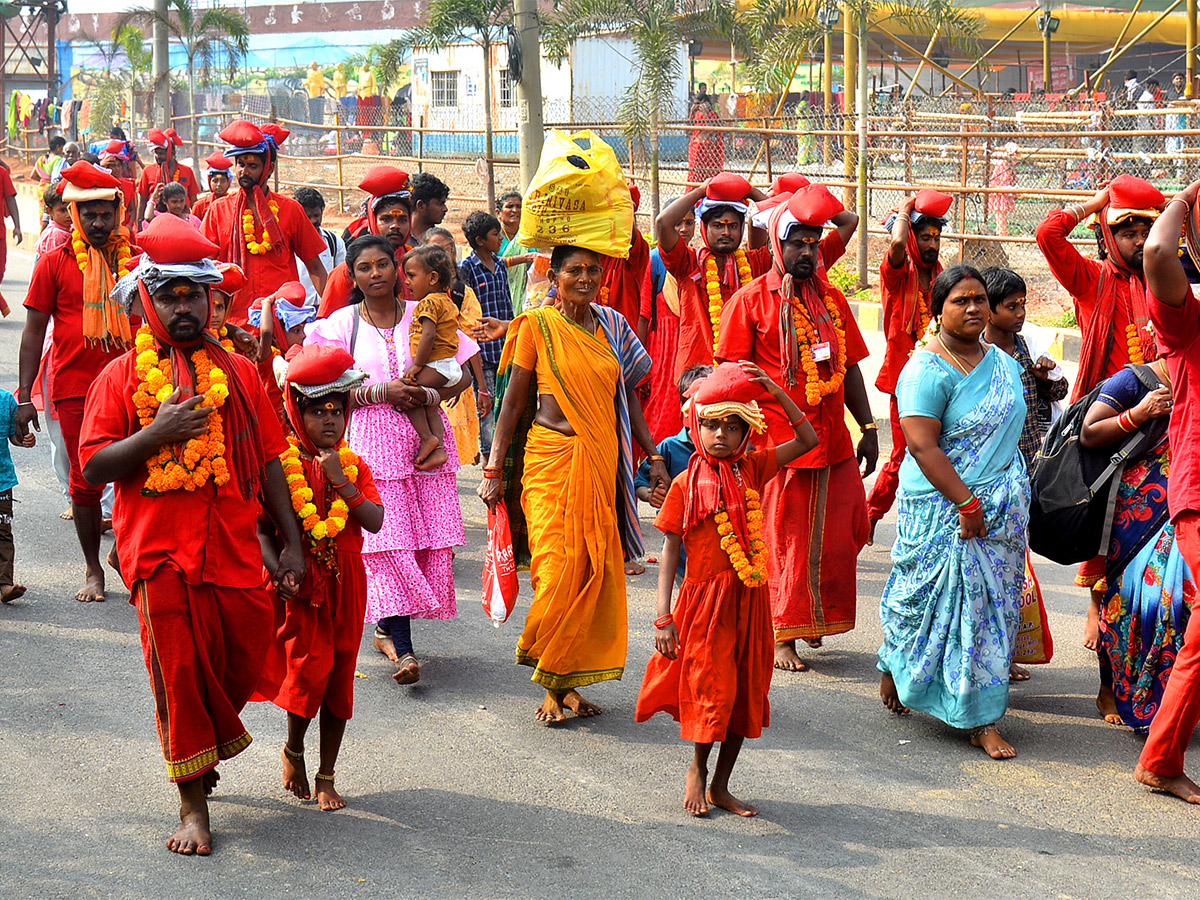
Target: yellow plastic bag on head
578, 196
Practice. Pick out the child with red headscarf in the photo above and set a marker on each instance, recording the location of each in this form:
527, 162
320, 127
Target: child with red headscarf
310, 666
715, 653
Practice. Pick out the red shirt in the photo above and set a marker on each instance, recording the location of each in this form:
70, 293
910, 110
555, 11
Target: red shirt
1081, 276
152, 176
1176, 331
209, 535
6, 190
627, 280
56, 289
200, 207
750, 330
695, 326
264, 274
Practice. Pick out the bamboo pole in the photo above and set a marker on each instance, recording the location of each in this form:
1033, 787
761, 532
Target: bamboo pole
996, 46
921, 65
1124, 29
337, 136
1099, 73
908, 48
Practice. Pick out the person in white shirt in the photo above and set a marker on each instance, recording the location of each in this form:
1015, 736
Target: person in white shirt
335, 248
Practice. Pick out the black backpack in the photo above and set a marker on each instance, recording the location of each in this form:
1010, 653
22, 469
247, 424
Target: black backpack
1075, 487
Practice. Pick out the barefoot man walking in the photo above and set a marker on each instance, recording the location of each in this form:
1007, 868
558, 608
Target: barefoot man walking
179, 410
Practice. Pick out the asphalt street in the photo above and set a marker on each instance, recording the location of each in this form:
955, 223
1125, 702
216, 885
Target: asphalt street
456, 792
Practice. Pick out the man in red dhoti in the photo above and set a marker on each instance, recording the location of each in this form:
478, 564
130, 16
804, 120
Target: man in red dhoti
1114, 317
257, 229
164, 169
799, 329
71, 285
905, 275
389, 213
184, 431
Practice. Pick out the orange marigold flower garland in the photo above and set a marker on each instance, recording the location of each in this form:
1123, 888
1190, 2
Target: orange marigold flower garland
80, 246
712, 285
815, 387
322, 532
263, 245
923, 314
1135, 345
188, 465
751, 570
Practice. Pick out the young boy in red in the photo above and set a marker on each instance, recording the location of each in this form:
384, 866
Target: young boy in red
310, 667
716, 650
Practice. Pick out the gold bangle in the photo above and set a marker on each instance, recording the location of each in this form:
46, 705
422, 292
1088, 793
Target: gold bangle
654, 457
870, 426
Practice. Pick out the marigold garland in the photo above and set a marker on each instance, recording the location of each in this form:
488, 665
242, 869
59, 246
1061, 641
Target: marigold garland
806, 334
1135, 345
712, 285
752, 571
322, 532
188, 465
80, 246
257, 247
924, 315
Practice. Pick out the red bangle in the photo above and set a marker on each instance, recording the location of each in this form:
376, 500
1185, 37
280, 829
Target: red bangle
971, 509
1125, 422
492, 473
355, 500
664, 621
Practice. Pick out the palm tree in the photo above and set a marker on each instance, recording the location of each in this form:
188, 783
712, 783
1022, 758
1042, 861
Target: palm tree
482, 22
208, 38
657, 28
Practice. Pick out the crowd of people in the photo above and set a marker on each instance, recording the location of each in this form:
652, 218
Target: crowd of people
305, 401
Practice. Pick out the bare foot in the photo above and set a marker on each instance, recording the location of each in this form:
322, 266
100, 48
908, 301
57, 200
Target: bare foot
633, 567
193, 836
988, 739
432, 455
871, 535
67, 516
209, 779
382, 642
726, 800
1091, 629
815, 643
1181, 786
11, 593
295, 775
573, 701
327, 797
1018, 673
409, 671
114, 561
693, 792
890, 696
551, 709
105, 525
786, 658
1107, 704
92, 590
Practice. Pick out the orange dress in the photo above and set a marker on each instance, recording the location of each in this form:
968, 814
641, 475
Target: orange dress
719, 683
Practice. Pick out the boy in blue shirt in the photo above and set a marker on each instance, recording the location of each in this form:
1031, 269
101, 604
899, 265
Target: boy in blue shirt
9, 591
676, 451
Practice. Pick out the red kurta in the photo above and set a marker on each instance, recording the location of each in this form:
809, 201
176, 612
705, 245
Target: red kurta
193, 561
816, 519
627, 280
152, 176
265, 273
720, 681
662, 408
312, 659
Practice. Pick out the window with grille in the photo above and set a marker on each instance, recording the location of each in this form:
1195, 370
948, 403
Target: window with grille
444, 89
507, 91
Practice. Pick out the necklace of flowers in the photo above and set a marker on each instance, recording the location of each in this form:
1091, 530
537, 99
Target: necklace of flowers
712, 286
80, 246
923, 314
815, 387
1135, 345
262, 246
752, 571
188, 465
321, 531
223, 337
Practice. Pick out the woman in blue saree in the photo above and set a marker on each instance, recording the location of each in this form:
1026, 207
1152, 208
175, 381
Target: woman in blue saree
1148, 590
950, 609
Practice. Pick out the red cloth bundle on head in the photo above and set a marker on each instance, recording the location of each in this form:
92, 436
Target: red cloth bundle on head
711, 481
789, 183
233, 280
217, 163
164, 140
1131, 197
169, 241
384, 181
933, 203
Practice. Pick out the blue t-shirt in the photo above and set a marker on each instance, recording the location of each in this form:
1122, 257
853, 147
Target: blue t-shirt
8, 414
491, 287
676, 452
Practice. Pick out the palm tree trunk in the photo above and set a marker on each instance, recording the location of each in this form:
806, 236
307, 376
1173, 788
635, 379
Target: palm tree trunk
864, 109
655, 199
487, 124
192, 112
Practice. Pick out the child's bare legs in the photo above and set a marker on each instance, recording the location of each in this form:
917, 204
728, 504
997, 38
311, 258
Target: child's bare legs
427, 420
718, 791
697, 779
332, 730
295, 774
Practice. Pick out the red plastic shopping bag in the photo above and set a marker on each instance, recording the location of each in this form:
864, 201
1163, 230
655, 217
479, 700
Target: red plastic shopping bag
1034, 645
499, 568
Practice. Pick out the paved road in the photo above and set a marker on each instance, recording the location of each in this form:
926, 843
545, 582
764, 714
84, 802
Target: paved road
455, 791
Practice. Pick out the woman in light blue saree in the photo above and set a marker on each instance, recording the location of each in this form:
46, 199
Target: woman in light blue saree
950, 609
